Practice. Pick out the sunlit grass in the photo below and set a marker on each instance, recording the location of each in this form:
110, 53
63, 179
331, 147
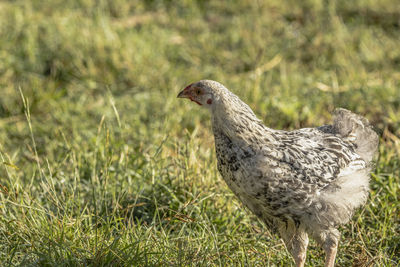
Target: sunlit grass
102, 165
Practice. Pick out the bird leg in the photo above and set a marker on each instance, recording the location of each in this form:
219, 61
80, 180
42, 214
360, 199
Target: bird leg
296, 242
300, 259
330, 255
330, 247
299, 251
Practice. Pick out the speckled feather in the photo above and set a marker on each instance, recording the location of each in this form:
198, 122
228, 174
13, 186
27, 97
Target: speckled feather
303, 181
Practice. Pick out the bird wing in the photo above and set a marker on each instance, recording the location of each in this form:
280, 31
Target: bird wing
315, 156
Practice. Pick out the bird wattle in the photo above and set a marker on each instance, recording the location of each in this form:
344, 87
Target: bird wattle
196, 101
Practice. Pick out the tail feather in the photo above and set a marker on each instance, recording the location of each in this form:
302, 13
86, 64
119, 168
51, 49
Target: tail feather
356, 129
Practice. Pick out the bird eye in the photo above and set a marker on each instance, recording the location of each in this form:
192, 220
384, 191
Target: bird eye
198, 91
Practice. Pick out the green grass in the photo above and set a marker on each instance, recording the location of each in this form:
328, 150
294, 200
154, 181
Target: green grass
101, 165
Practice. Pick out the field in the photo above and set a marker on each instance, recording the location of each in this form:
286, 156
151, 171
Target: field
101, 165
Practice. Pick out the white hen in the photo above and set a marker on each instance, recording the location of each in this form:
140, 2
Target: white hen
303, 182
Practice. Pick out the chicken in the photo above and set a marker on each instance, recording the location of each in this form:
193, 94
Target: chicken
299, 183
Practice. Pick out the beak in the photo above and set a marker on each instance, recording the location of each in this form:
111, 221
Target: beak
185, 92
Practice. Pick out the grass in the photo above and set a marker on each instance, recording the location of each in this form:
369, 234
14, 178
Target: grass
101, 165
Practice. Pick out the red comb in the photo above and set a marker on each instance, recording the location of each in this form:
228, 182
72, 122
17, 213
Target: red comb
187, 87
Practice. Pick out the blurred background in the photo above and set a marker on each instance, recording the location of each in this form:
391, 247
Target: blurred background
100, 163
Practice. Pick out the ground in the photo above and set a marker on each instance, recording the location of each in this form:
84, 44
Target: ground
101, 165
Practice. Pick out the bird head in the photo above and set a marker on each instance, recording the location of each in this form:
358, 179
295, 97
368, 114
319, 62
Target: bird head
228, 111
205, 92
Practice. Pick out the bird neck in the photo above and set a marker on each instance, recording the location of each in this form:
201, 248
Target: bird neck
236, 120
